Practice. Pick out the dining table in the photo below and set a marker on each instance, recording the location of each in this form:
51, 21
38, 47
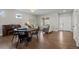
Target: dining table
22, 30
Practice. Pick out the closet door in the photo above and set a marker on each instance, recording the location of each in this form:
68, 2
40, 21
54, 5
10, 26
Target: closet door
65, 22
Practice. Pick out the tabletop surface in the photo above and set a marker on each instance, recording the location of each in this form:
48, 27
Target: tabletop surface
23, 29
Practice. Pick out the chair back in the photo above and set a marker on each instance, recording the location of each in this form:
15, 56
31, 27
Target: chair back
46, 28
24, 36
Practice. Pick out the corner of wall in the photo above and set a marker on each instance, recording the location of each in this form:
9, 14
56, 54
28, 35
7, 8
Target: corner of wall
0, 34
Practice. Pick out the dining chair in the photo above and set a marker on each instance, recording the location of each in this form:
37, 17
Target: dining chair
23, 37
46, 28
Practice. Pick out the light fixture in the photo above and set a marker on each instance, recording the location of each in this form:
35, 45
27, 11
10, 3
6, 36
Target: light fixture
32, 10
45, 18
64, 10
18, 16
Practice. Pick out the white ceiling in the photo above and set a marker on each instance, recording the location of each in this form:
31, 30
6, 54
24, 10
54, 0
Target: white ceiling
46, 11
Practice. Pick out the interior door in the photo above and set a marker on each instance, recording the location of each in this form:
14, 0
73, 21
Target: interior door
65, 22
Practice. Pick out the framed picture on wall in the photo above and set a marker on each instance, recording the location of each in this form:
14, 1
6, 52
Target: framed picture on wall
19, 16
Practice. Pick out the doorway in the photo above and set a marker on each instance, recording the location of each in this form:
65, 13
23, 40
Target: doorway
65, 22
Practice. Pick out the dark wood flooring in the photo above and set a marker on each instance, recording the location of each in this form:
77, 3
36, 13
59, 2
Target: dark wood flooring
54, 40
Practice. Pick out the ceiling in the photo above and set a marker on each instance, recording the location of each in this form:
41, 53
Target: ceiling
45, 11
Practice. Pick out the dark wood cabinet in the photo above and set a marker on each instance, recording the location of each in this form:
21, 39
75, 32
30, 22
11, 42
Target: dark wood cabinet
8, 29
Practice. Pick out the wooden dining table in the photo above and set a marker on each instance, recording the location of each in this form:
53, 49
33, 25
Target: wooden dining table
23, 30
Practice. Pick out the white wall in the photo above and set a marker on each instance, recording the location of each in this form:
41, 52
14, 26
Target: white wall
76, 26
9, 17
53, 22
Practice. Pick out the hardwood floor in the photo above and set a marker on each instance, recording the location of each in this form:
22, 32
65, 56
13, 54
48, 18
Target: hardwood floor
54, 40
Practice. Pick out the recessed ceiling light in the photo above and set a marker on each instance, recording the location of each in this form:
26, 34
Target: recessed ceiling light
64, 10
32, 10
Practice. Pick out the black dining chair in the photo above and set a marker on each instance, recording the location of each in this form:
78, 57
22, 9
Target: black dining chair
23, 37
15, 35
46, 28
